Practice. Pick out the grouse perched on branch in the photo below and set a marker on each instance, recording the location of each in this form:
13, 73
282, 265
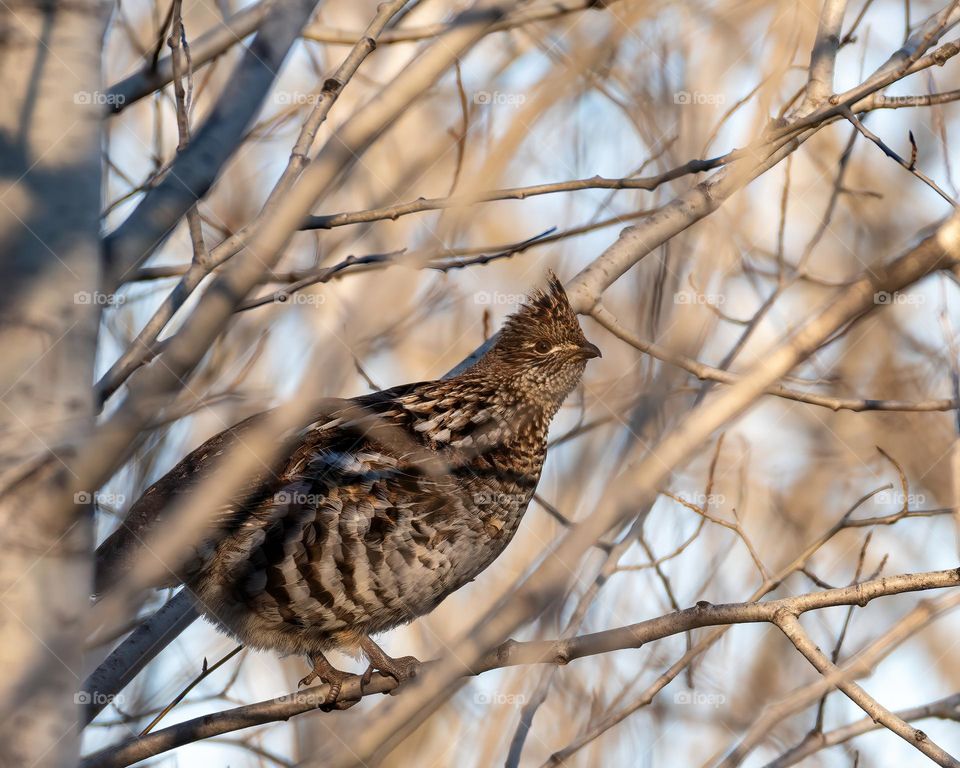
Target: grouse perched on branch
362, 529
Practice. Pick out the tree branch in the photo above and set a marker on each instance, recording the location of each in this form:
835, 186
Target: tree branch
947, 708
518, 18
153, 76
790, 625
144, 346
393, 212
706, 372
194, 170
127, 660
823, 57
940, 250
512, 653
153, 388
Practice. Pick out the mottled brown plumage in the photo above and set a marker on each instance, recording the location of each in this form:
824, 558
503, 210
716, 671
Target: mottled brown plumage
364, 529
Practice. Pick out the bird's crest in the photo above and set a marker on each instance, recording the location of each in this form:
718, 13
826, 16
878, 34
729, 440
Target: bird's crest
544, 311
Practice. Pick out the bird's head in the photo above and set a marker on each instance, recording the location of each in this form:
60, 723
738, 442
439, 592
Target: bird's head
541, 352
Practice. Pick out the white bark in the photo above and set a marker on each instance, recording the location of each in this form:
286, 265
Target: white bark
49, 235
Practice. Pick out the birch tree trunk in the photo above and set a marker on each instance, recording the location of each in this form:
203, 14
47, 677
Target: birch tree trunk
50, 131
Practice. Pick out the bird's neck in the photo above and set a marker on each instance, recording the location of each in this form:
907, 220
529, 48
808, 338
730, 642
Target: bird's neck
523, 421
510, 402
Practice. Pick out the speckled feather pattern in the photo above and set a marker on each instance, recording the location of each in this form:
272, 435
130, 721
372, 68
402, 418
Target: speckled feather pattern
356, 534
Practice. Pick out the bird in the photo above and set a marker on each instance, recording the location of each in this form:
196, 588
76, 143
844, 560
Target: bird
383, 506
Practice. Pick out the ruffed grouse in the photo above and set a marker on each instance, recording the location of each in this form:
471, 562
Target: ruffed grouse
355, 534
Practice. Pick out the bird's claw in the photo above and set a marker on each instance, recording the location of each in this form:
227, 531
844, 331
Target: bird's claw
332, 700
367, 676
327, 673
401, 669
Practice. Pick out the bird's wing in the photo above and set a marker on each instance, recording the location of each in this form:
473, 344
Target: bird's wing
342, 543
118, 552
378, 426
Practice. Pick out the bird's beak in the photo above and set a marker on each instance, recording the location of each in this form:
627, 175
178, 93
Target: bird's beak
589, 350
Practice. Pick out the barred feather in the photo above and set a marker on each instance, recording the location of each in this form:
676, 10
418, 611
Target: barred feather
353, 536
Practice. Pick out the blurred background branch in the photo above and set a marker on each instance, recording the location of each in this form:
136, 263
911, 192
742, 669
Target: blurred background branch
275, 204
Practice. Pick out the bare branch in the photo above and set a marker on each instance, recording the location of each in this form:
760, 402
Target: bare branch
153, 76
518, 18
197, 167
823, 57
947, 708
127, 660
512, 653
790, 625
143, 348
936, 252
393, 212
709, 373
896, 158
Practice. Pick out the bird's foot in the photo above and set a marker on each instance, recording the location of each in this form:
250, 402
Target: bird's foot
324, 671
400, 669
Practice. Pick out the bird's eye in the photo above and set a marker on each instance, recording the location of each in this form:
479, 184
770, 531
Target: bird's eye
542, 347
